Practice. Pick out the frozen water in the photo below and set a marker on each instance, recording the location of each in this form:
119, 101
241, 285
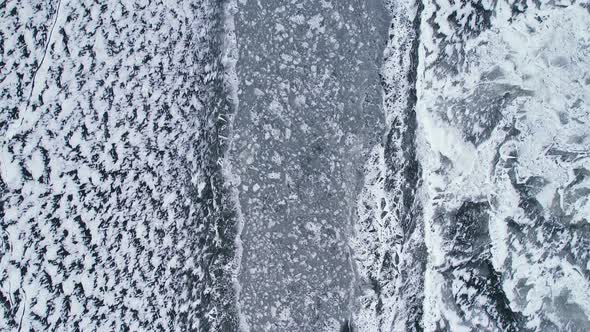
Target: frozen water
295, 165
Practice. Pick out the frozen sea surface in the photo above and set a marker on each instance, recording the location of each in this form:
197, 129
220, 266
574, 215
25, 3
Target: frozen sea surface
258, 165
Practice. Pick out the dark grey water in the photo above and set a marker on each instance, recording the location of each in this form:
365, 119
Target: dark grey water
310, 108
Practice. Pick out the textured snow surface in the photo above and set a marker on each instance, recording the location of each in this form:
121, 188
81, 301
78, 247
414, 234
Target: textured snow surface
111, 191
503, 93
258, 165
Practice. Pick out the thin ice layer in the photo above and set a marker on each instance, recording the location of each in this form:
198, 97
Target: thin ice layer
310, 111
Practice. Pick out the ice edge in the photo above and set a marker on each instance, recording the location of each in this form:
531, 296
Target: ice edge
229, 60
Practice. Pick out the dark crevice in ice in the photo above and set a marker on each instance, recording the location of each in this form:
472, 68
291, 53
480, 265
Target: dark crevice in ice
407, 208
470, 265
